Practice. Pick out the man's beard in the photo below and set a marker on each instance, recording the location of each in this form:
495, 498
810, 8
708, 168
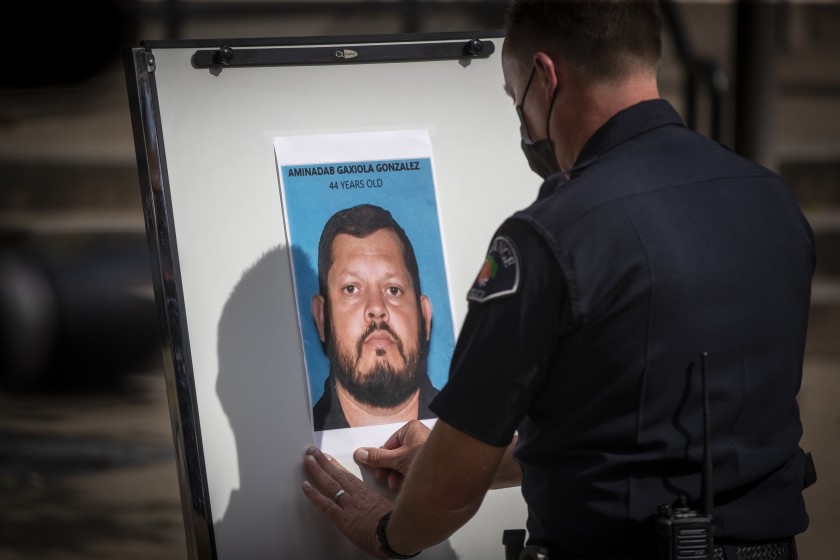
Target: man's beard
383, 385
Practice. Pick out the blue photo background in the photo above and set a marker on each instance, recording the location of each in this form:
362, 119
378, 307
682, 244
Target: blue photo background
313, 193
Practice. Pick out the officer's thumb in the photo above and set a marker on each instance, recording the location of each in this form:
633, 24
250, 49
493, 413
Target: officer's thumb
374, 457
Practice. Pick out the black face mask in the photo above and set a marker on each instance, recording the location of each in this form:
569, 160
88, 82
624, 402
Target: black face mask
540, 154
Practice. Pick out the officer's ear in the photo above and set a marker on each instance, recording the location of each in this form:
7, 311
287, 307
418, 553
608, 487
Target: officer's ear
549, 74
426, 310
317, 308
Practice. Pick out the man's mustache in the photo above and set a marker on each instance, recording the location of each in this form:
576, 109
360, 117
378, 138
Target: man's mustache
379, 326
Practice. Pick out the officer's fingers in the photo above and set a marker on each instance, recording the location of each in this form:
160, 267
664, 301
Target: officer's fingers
326, 462
363, 456
395, 480
376, 457
321, 502
413, 434
380, 474
320, 478
328, 473
396, 439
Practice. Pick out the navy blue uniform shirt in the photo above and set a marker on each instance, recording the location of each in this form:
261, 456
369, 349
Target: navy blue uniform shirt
586, 326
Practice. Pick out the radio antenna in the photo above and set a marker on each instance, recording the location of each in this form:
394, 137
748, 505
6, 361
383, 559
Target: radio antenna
706, 491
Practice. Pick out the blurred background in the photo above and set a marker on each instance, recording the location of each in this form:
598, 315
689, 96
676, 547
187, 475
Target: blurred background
87, 467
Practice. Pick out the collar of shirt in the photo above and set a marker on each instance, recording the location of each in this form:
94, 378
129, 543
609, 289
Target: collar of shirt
623, 126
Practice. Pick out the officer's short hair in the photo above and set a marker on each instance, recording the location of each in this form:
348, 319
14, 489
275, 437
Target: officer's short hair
360, 221
605, 39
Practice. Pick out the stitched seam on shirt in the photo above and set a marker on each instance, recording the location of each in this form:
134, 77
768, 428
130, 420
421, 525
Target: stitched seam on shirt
571, 281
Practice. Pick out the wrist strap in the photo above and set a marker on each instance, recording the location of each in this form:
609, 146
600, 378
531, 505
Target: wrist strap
383, 539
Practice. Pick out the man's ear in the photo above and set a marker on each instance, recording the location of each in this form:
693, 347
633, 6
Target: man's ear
549, 73
317, 308
426, 310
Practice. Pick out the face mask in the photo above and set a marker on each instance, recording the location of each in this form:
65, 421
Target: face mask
540, 154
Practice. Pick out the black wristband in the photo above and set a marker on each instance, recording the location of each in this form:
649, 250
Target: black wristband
383, 539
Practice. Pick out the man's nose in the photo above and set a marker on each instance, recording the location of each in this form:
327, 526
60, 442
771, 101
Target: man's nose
375, 307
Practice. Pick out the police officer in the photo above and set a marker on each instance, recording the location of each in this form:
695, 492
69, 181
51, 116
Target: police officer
576, 371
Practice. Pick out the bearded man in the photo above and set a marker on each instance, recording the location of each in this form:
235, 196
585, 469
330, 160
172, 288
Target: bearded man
373, 321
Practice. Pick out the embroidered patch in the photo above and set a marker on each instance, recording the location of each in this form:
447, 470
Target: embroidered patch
499, 276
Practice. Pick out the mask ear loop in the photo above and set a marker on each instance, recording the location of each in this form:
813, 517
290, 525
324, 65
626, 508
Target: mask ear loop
550, 109
520, 110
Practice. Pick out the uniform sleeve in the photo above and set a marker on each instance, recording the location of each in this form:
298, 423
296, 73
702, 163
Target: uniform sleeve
507, 342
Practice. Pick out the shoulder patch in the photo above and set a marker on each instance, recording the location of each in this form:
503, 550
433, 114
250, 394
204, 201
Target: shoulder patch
499, 275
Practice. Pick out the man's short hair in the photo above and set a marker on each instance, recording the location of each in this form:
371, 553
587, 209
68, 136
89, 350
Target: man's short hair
605, 39
360, 221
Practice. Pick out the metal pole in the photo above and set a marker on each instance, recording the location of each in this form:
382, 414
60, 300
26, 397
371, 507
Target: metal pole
755, 80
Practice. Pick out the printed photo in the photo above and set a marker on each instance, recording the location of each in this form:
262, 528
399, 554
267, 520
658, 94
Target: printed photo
369, 273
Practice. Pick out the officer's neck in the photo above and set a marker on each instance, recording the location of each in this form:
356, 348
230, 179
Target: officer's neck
585, 106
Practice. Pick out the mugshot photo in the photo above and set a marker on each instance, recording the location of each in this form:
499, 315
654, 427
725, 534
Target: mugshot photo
370, 286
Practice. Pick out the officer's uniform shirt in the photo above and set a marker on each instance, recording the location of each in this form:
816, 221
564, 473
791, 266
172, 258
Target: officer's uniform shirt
585, 330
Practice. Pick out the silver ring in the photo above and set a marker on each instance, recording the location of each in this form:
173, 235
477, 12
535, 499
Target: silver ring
338, 496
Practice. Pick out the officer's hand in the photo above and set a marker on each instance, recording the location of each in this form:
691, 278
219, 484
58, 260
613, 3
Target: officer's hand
347, 501
394, 458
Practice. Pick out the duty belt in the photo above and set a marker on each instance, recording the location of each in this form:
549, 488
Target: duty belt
784, 549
